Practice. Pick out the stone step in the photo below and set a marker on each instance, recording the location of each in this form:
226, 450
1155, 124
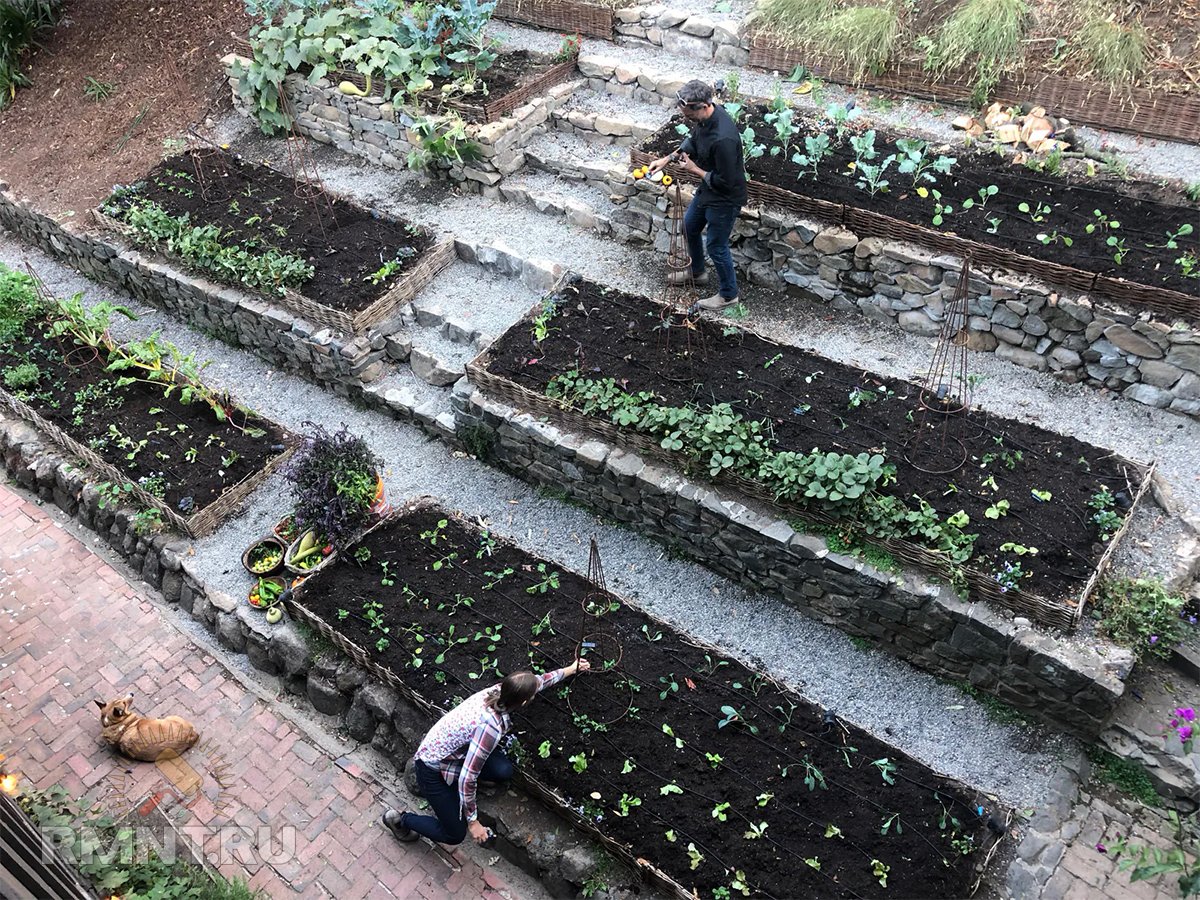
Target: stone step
574, 158
580, 203
437, 360
471, 306
608, 119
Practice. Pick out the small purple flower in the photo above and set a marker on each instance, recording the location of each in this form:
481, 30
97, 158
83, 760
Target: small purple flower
1101, 848
1154, 638
1186, 713
1185, 733
1191, 620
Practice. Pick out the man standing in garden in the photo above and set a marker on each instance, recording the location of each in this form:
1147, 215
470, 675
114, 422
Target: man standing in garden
463, 747
713, 153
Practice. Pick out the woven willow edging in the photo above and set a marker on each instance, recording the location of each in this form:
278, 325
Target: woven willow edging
363, 659
1174, 117
866, 223
200, 523
407, 286
1057, 613
566, 16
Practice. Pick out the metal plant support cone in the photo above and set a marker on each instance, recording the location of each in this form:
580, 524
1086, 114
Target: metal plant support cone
680, 295
936, 445
302, 166
602, 648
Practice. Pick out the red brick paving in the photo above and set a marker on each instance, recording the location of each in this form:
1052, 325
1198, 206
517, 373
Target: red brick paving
73, 629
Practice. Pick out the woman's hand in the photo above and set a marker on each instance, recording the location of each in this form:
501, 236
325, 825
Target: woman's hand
580, 665
479, 834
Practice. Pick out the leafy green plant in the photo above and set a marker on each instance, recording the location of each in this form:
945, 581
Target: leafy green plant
96, 90
1105, 516
816, 148
203, 246
734, 716
1141, 614
21, 23
333, 480
22, 376
578, 762
886, 769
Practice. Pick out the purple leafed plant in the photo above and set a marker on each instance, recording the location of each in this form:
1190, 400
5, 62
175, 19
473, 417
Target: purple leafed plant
333, 482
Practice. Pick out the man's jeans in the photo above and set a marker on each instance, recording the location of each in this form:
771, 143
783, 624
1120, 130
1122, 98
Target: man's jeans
719, 220
447, 825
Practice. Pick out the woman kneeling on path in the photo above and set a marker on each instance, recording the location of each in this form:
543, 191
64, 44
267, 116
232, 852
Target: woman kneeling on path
462, 747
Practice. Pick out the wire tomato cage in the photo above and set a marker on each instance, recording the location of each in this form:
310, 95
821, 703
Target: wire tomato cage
595, 643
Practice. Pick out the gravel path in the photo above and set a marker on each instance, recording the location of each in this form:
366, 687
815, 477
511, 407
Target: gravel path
562, 146
549, 183
918, 713
586, 102
458, 290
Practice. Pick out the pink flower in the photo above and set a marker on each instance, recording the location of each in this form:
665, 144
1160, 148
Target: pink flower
1186, 713
1185, 733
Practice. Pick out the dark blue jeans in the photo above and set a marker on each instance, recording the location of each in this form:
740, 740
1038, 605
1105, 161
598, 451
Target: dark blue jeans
719, 220
447, 825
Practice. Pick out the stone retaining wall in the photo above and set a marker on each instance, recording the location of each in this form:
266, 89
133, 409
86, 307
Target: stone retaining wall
382, 133
373, 715
684, 34
1072, 688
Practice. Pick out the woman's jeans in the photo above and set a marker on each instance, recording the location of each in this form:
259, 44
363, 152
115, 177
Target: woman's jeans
447, 825
719, 220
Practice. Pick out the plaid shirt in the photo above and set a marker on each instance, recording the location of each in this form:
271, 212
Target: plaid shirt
462, 740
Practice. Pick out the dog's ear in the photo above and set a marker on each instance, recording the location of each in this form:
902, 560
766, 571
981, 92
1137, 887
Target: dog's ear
100, 703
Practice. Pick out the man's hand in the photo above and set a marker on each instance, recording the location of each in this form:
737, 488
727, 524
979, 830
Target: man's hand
685, 162
479, 834
658, 165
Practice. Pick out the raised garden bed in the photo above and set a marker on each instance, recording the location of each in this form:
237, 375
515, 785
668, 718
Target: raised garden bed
1024, 492
566, 16
188, 455
994, 229
321, 257
511, 81
646, 756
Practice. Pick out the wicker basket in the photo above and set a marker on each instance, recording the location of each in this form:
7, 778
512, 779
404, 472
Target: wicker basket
267, 541
1058, 613
1173, 117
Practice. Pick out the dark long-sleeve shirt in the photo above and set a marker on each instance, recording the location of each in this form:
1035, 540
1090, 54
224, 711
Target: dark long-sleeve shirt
715, 146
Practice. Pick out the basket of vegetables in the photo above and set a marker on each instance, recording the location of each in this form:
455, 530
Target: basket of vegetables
264, 557
266, 592
285, 529
308, 553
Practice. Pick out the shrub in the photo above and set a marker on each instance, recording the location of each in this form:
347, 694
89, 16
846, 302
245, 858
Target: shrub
18, 301
333, 480
1115, 52
1139, 613
988, 32
25, 375
20, 23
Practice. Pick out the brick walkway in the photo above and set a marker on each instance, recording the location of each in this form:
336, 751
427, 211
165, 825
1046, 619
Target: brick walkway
74, 629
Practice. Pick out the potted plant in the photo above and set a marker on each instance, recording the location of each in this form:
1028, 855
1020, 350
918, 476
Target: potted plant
308, 553
336, 484
266, 592
264, 556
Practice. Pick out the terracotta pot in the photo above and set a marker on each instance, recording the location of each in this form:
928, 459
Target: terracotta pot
380, 506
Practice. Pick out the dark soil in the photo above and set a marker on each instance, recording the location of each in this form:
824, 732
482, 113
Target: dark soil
87, 404
511, 71
618, 718
66, 151
1146, 212
808, 402
258, 207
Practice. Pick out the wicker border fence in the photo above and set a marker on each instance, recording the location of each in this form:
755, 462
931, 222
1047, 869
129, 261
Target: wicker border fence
565, 16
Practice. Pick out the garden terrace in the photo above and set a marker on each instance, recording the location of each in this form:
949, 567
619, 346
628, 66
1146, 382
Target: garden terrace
1132, 243
1030, 514
669, 751
1133, 72
136, 413
509, 82
244, 224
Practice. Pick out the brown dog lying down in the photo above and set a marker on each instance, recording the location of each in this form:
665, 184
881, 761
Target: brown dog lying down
140, 738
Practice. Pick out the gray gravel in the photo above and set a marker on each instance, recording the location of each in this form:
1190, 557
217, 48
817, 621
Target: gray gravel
458, 290
587, 102
919, 714
560, 145
560, 188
